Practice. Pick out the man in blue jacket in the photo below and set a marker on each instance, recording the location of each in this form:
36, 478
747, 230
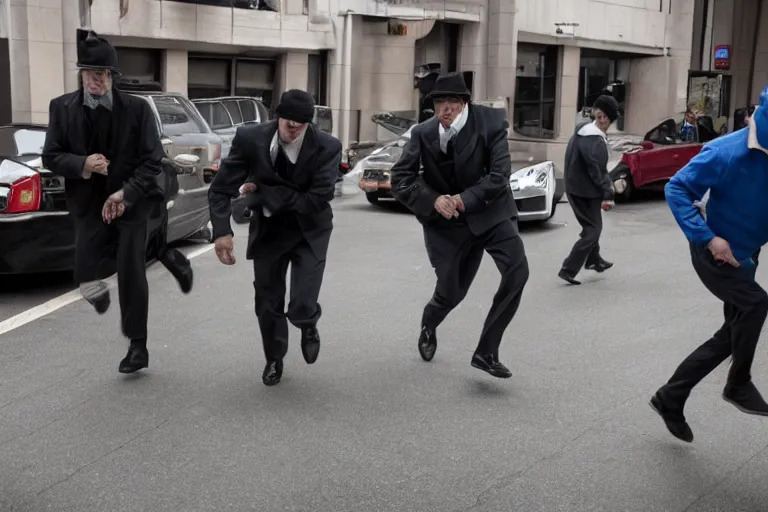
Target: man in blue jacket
724, 249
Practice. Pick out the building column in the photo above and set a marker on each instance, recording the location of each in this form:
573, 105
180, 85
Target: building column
473, 54
567, 91
293, 70
37, 57
70, 22
502, 52
175, 73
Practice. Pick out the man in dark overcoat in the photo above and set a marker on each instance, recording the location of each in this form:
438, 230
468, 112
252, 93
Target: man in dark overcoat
288, 169
589, 188
107, 147
465, 204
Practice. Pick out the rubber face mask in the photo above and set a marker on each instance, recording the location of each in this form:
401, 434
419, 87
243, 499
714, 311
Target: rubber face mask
97, 88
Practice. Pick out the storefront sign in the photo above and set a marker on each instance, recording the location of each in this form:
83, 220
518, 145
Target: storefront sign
723, 56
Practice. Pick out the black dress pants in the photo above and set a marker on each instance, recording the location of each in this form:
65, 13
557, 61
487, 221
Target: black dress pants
455, 254
745, 307
103, 249
281, 242
587, 249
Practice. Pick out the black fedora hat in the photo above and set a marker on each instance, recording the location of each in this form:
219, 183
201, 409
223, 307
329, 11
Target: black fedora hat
94, 52
450, 85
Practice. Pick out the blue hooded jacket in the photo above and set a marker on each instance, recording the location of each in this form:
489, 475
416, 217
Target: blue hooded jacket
734, 168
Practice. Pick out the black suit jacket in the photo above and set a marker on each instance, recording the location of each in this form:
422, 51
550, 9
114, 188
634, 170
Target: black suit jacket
483, 168
308, 193
135, 156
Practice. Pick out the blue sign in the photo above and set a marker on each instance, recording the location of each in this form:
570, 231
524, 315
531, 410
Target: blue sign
722, 53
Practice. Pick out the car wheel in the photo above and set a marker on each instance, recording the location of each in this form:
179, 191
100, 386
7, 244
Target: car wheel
372, 197
237, 212
623, 186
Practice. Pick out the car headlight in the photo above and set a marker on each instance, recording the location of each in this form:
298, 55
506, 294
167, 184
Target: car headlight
534, 176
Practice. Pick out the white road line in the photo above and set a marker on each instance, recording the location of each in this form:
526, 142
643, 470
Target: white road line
68, 298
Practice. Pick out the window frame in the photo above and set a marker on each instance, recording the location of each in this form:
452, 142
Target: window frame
543, 102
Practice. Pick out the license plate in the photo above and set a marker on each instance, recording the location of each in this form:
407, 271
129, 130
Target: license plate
369, 185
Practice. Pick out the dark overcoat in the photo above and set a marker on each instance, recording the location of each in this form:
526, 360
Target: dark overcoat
135, 156
482, 170
307, 194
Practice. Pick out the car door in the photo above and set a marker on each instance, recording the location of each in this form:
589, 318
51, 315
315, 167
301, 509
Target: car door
185, 132
657, 163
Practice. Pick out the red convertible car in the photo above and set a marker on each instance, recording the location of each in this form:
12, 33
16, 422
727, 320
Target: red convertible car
658, 157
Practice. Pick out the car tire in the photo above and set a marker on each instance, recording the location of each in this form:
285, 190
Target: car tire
237, 212
623, 186
372, 197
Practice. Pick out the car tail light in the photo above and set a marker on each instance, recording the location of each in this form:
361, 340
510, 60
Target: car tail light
24, 195
20, 189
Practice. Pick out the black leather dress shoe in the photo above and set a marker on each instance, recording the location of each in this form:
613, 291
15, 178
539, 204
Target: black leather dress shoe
272, 372
673, 419
310, 344
180, 268
490, 363
746, 398
136, 359
599, 266
427, 343
567, 276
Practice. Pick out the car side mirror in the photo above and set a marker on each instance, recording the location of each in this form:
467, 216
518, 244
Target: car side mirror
186, 162
647, 144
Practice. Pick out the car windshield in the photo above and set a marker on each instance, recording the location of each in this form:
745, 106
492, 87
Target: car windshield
24, 142
177, 117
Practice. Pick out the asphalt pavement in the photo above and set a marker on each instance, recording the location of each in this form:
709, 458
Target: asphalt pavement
370, 427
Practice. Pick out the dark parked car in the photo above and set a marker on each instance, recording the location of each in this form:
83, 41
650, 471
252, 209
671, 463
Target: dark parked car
36, 230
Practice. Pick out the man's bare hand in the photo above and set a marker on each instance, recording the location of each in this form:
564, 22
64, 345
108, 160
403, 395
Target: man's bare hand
607, 205
247, 189
225, 247
459, 202
446, 206
96, 163
114, 207
721, 251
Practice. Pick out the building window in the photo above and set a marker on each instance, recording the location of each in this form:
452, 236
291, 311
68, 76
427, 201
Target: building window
209, 77
255, 78
317, 77
140, 64
536, 91
212, 77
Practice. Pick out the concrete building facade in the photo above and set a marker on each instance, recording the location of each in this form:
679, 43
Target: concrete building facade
548, 59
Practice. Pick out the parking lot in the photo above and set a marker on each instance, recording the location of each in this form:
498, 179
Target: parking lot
370, 427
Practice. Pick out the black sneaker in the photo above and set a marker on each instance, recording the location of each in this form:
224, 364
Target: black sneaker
746, 398
673, 419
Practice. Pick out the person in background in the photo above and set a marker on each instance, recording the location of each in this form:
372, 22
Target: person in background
687, 129
466, 208
287, 169
106, 146
589, 188
724, 247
